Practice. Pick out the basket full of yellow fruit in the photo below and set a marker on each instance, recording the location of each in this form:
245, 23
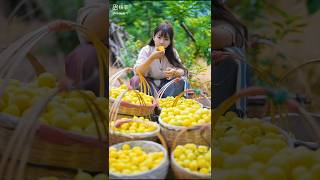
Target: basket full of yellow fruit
138, 160
192, 160
136, 128
133, 102
42, 123
187, 114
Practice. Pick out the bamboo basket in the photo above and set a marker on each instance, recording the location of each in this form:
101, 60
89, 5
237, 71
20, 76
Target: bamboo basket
159, 172
117, 137
171, 131
204, 139
24, 141
129, 108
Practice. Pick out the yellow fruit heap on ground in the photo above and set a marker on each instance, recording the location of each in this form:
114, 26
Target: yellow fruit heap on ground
135, 127
186, 115
194, 158
253, 149
66, 110
160, 48
133, 160
130, 96
168, 102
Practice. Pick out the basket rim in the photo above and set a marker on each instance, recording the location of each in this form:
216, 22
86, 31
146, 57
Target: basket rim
136, 135
131, 105
174, 162
201, 105
177, 128
164, 162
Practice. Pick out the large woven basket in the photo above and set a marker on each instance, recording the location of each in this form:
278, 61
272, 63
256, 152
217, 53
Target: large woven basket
42, 145
127, 108
204, 139
170, 131
159, 172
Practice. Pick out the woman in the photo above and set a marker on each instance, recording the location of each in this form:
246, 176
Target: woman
229, 44
161, 66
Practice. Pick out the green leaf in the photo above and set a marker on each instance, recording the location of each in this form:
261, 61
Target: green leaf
313, 6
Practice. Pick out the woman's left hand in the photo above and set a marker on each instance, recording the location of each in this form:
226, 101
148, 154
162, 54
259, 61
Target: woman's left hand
170, 73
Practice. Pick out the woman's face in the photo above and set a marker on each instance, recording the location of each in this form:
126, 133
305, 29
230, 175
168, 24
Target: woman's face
163, 40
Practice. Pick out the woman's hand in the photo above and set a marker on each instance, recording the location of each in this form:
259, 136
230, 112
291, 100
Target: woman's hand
156, 55
170, 73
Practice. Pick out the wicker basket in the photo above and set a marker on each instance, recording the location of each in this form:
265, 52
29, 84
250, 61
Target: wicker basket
24, 141
170, 131
205, 139
159, 172
127, 108
118, 137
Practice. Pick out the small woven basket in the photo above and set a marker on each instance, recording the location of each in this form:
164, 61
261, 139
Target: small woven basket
129, 108
159, 172
170, 131
204, 139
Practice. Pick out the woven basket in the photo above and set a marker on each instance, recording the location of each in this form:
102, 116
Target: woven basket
170, 131
205, 139
118, 137
159, 172
129, 108
23, 140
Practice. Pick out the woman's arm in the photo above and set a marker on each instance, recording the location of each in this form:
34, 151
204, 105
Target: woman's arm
144, 66
222, 37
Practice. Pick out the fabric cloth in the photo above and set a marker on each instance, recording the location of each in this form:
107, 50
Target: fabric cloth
157, 68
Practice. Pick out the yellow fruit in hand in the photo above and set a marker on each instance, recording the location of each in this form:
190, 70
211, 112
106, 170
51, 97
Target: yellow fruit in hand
160, 48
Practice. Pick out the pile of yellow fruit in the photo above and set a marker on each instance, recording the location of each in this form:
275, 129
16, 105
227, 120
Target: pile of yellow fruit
81, 175
130, 96
185, 115
194, 158
168, 102
133, 160
252, 149
67, 110
135, 127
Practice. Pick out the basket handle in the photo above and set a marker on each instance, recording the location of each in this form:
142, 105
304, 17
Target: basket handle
16, 51
202, 129
173, 81
192, 91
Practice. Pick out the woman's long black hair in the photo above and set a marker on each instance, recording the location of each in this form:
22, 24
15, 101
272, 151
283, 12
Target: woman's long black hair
221, 12
166, 29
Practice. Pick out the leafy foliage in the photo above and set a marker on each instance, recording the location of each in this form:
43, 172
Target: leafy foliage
143, 16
